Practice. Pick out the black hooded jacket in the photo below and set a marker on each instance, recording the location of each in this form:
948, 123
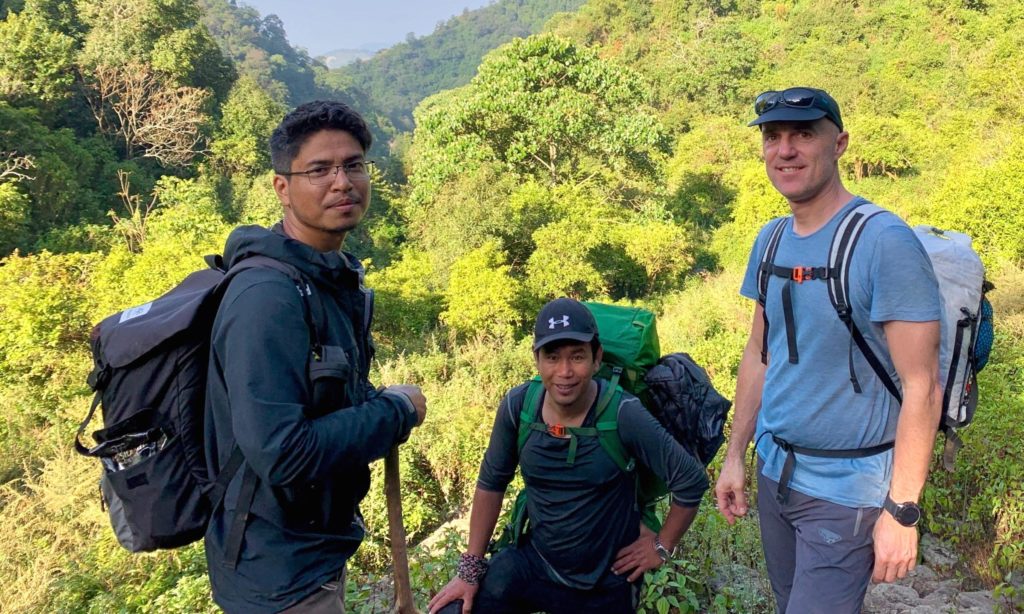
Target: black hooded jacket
310, 455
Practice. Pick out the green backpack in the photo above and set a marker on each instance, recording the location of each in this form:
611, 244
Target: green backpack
630, 342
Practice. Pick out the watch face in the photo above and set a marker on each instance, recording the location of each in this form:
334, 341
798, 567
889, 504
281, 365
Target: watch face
908, 514
662, 552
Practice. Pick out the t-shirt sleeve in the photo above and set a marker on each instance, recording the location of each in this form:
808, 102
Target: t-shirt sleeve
502, 456
903, 284
749, 286
654, 448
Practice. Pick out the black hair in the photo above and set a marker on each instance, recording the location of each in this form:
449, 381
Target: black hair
308, 119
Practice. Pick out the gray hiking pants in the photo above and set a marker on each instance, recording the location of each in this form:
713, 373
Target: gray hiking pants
819, 554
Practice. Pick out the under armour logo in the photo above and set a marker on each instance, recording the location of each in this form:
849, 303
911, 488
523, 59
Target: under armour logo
564, 322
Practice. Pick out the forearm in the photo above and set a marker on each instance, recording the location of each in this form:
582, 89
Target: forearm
915, 438
292, 449
677, 522
482, 519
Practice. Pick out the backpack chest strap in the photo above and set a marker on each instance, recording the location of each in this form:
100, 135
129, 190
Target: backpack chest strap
573, 433
798, 274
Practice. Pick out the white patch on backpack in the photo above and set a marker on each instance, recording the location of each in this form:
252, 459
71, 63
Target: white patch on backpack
134, 312
829, 537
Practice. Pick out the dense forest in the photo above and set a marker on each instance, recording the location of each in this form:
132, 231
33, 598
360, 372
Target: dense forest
605, 158
398, 78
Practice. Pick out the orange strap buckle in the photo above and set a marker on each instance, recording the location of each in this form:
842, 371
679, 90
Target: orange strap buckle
558, 430
802, 274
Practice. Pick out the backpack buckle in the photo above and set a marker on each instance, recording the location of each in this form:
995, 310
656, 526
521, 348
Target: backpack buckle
802, 274
558, 430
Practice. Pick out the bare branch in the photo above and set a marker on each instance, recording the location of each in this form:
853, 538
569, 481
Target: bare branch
133, 227
12, 166
149, 115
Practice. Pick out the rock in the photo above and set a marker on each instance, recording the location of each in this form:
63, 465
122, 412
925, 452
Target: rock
936, 553
889, 598
930, 609
923, 580
943, 594
978, 600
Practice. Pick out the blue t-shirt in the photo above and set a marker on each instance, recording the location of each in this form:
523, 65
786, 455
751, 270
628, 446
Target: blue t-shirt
812, 403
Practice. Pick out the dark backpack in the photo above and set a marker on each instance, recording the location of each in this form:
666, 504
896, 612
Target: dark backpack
966, 320
675, 390
150, 373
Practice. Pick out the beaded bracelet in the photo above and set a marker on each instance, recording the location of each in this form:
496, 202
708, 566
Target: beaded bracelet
471, 568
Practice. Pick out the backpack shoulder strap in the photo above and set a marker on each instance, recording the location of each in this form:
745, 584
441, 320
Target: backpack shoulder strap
764, 273
840, 253
771, 248
844, 240
607, 425
529, 411
312, 310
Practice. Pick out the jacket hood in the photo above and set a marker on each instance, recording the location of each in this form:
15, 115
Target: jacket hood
329, 267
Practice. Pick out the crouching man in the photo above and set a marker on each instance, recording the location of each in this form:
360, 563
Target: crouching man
585, 550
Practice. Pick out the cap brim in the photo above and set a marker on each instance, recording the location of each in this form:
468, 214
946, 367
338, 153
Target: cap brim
788, 114
581, 337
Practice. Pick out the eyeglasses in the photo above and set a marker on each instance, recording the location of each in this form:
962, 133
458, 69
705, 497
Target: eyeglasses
356, 170
799, 98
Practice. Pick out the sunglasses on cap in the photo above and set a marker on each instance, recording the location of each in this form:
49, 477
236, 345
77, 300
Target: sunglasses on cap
799, 98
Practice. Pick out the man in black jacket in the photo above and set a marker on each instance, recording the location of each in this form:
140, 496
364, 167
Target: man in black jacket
288, 382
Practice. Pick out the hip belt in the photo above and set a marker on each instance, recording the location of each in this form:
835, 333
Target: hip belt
791, 450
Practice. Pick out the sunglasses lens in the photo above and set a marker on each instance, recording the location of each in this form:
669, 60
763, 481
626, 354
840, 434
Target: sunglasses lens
765, 101
799, 97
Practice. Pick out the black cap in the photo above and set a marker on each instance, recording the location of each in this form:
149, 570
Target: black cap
564, 318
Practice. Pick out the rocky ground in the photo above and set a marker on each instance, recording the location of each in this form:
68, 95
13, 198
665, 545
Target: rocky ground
931, 589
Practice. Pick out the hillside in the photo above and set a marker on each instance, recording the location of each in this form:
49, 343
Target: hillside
399, 77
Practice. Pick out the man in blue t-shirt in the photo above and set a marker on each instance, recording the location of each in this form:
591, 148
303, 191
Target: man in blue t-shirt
841, 462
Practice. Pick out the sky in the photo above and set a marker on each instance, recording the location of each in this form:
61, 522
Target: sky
325, 25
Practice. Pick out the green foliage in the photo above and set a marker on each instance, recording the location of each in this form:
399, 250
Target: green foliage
72, 178
986, 202
165, 34
186, 226
259, 48
248, 116
44, 318
35, 62
14, 210
883, 145
408, 301
544, 108
482, 298
260, 204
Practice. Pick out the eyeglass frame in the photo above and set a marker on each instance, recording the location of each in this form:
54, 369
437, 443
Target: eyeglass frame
330, 176
818, 99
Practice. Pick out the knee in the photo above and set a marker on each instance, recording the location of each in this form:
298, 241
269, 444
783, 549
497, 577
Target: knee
504, 579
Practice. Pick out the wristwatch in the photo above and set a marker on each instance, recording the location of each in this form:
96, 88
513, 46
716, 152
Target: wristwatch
661, 550
907, 514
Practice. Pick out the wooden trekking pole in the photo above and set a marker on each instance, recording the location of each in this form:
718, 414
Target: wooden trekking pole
399, 554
